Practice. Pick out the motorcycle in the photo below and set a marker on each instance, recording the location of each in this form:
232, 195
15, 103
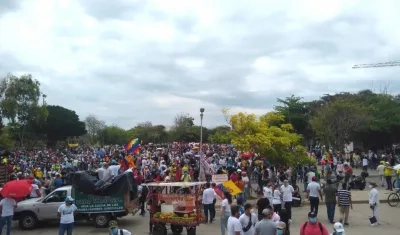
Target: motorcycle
358, 182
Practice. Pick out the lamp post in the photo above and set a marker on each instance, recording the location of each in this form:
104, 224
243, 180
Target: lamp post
202, 173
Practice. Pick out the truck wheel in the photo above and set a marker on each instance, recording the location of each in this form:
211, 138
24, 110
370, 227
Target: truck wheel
102, 220
28, 221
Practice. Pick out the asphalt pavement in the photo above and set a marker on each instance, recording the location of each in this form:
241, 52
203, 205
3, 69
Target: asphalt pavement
138, 225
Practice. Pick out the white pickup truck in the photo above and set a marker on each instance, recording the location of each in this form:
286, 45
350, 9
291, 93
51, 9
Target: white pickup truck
101, 209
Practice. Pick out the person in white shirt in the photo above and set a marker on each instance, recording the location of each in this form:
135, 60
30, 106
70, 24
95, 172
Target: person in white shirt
107, 173
114, 169
374, 202
268, 192
225, 211
100, 172
381, 169
114, 230
35, 192
208, 202
66, 212
248, 220
313, 191
276, 200
234, 226
7, 206
287, 198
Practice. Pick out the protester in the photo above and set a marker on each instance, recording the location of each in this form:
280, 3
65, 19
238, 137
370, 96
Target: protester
388, 171
313, 226
248, 220
225, 211
114, 230
66, 212
313, 194
287, 197
265, 226
7, 206
345, 203
330, 193
374, 202
338, 229
281, 228
209, 196
262, 203
233, 224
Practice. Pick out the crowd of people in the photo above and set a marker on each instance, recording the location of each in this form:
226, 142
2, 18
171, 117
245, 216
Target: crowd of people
277, 185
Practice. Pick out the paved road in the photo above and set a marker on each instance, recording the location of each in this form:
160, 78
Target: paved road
359, 224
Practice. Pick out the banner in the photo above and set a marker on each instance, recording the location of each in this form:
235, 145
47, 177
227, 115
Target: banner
231, 187
220, 178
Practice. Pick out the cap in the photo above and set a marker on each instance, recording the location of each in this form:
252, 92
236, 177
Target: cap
338, 227
373, 184
239, 170
281, 225
113, 224
314, 178
69, 199
312, 215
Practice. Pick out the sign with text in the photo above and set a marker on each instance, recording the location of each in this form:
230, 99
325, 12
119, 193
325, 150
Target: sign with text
96, 203
220, 178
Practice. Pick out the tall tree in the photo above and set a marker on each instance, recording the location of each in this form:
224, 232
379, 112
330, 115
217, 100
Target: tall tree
220, 135
62, 123
336, 122
94, 128
20, 104
296, 112
180, 131
115, 135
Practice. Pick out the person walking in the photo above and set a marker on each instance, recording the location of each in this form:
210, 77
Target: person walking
266, 226
345, 203
388, 171
225, 211
381, 170
66, 212
313, 226
208, 202
276, 200
233, 225
248, 220
313, 194
330, 200
287, 197
374, 202
7, 206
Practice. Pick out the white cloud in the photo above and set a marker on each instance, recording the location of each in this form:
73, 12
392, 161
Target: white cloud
131, 61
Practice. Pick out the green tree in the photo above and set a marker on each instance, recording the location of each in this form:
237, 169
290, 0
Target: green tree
182, 127
296, 112
94, 128
62, 123
220, 135
336, 122
115, 135
20, 105
147, 133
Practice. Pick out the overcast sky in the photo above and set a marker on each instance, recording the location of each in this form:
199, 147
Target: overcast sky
129, 61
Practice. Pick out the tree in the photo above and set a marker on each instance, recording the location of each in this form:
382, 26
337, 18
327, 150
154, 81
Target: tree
220, 135
94, 128
147, 133
181, 128
62, 123
20, 104
115, 135
296, 112
280, 144
336, 122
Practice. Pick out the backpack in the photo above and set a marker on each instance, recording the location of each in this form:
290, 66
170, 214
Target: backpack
305, 225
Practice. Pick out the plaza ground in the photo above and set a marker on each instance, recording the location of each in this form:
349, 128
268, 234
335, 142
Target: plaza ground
359, 223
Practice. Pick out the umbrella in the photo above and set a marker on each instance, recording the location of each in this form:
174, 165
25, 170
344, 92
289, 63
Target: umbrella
396, 167
16, 189
246, 155
100, 153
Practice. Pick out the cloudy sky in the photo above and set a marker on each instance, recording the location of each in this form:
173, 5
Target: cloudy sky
129, 61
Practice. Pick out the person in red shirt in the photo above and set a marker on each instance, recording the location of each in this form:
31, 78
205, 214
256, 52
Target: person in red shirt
348, 172
313, 226
235, 176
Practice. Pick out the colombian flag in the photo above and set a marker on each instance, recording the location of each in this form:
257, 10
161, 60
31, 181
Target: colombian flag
132, 146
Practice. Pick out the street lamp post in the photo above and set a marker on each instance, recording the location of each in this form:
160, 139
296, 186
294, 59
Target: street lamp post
202, 173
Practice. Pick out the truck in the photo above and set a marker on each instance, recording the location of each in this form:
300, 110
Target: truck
100, 209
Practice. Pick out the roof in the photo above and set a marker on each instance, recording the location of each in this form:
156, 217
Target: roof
174, 184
